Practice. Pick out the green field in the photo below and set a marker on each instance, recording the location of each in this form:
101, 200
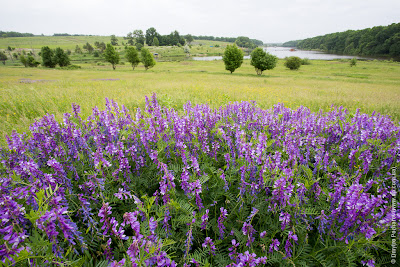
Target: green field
29, 93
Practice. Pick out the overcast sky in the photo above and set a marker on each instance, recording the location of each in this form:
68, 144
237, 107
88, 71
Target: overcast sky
269, 21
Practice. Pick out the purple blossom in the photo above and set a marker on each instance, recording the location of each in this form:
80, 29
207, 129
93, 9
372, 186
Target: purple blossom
208, 243
221, 218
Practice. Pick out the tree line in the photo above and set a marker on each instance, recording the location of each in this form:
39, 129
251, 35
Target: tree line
227, 39
15, 34
376, 41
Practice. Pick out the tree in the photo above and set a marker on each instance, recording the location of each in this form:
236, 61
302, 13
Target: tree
293, 63
242, 41
114, 40
151, 33
23, 60
189, 38
31, 62
132, 56
48, 57
3, 57
78, 50
112, 56
233, 57
129, 37
156, 42
147, 58
139, 37
261, 60
88, 47
61, 58
139, 46
101, 46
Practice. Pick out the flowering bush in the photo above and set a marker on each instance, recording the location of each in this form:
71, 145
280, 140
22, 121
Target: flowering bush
235, 186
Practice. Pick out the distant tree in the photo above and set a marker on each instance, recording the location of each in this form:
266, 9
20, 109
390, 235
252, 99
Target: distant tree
130, 39
189, 38
9, 48
242, 41
3, 57
61, 58
233, 57
261, 60
47, 57
147, 58
353, 62
186, 49
139, 46
23, 60
156, 42
151, 33
31, 62
78, 50
132, 56
112, 56
139, 37
293, 63
88, 47
15, 55
114, 40
101, 46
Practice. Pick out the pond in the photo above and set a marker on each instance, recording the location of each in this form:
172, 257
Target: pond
282, 52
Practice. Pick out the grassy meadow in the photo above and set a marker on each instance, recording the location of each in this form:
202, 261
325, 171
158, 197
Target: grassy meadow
27, 94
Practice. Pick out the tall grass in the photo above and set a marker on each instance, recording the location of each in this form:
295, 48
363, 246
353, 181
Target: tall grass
370, 86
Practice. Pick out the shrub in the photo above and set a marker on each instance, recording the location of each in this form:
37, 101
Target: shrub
235, 185
31, 62
305, 61
353, 62
293, 63
262, 60
96, 54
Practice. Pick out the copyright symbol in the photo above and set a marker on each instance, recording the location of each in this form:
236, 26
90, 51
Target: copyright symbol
393, 261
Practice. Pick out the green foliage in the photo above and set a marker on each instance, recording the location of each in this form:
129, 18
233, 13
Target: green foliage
293, 63
353, 62
78, 50
31, 62
48, 57
242, 41
380, 40
233, 57
61, 58
114, 40
23, 60
189, 39
96, 54
132, 56
155, 42
139, 46
305, 61
3, 57
138, 36
262, 60
111, 56
147, 58
88, 47
151, 33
